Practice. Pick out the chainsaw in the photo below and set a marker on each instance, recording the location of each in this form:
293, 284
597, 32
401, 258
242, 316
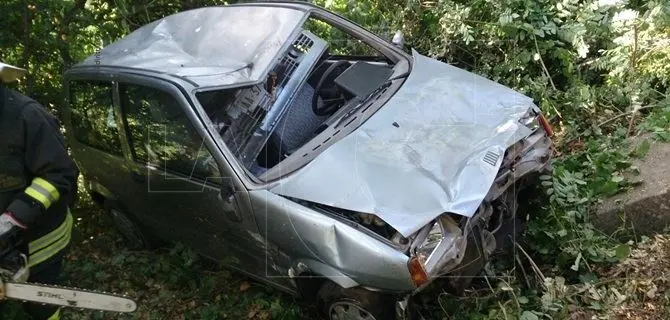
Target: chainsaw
14, 272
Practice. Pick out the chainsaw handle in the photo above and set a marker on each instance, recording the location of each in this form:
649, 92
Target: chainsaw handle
2, 288
19, 276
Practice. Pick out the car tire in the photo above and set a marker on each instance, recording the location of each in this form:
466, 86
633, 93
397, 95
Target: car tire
337, 303
134, 236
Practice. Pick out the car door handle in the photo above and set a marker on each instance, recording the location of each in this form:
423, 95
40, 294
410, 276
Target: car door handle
138, 176
229, 203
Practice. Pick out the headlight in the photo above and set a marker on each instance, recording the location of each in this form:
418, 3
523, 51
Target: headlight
438, 246
534, 119
530, 120
427, 247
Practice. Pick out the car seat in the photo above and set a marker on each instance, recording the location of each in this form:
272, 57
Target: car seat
297, 127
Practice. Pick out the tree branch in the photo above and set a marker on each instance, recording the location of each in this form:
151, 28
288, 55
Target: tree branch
625, 114
544, 67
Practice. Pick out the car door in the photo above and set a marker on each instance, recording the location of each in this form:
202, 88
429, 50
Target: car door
94, 132
184, 191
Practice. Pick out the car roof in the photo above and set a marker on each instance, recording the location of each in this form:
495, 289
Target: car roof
210, 46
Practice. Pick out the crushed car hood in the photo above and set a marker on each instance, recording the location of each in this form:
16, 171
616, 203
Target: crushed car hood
453, 128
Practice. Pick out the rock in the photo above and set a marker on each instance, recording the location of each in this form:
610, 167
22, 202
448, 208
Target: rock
645, 208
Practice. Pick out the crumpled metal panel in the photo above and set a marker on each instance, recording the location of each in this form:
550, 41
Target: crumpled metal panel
453, 129
210, 46
327, 246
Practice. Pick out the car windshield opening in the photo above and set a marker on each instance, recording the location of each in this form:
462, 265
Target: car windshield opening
325, 71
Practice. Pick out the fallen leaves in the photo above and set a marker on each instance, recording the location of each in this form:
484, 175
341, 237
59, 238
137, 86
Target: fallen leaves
171, 283
244, 286
255, 312
643, 281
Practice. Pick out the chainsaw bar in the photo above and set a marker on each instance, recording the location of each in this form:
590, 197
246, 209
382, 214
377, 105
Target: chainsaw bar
67, 297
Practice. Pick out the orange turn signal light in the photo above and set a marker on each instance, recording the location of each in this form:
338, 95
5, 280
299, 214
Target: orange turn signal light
545, 124
416, 271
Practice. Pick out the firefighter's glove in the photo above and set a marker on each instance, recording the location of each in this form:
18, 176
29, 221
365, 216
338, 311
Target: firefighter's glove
8, 223
10, 231
11, 244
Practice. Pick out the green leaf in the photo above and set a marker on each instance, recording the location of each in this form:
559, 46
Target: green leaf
525, 56
523, 300
617, 178
118, 259
642, 149
622, 251
596, 306
663, 136
528, 315
588, 277
608, 188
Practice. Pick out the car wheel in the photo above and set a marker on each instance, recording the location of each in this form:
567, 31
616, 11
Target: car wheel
133, 235
337, 303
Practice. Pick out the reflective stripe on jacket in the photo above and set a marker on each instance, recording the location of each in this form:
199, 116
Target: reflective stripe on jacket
49, 245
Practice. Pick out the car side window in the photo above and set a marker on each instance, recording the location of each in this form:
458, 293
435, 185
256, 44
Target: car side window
92, 116
161, 134
340, 42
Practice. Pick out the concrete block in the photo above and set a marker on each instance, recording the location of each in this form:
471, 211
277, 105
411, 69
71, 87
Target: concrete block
646, 208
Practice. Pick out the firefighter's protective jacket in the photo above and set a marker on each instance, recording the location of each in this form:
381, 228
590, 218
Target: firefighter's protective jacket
38, 179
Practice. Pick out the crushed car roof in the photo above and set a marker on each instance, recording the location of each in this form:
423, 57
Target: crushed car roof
210, 46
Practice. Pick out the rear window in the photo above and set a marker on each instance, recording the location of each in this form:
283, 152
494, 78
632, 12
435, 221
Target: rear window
92, 114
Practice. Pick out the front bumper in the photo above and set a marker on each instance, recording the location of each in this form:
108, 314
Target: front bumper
524, 162
522, 165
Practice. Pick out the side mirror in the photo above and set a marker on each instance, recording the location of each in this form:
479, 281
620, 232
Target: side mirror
399, 39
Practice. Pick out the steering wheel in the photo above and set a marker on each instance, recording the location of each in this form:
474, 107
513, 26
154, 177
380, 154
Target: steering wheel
331, 97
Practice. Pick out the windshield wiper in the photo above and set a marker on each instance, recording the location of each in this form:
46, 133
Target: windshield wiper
400, 76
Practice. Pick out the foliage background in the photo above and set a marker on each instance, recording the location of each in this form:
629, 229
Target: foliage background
599, 69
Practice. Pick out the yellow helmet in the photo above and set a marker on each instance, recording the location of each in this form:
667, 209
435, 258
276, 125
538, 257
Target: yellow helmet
9, 73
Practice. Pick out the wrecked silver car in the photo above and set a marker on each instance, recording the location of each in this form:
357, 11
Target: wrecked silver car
304, 151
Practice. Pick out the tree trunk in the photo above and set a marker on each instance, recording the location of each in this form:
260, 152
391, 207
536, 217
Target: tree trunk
27, 48
64, 34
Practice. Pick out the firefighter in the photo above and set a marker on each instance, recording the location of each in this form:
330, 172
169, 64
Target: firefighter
38, 183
